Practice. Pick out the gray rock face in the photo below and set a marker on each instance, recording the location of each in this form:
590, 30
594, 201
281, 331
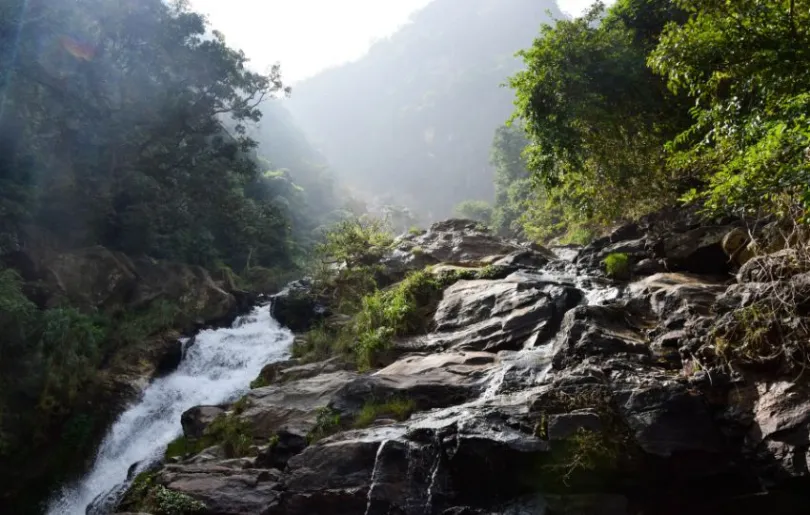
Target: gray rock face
552, 390
596, 331
226, 488
499, 315
452, 241
291, 407
699, 250
429, 381
780, 432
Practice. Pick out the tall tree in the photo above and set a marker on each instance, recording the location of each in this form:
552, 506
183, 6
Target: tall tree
597, 117
745, 64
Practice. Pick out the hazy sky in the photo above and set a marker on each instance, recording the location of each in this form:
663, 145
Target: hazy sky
307, 36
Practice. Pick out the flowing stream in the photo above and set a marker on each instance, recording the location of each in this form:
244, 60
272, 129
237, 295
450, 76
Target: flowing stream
217, 368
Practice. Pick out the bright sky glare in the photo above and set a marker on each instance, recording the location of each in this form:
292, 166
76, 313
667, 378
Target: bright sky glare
307, 36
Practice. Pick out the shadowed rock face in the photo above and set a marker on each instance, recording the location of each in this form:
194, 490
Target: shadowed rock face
550, 391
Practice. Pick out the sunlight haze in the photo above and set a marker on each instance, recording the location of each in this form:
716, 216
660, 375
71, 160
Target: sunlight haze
308, 36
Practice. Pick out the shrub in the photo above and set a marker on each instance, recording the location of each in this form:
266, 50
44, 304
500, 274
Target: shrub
586, 456
585, 451
400, 310
771, 331
355, 242
577, 235
617, 265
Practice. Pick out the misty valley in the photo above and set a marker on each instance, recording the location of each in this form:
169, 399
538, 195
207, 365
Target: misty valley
445, 257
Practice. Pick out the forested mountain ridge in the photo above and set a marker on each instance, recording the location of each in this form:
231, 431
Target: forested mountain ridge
415, 116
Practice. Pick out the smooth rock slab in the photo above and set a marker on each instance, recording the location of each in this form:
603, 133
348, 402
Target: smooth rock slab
224, 490
291, 407
500, 314
429, 381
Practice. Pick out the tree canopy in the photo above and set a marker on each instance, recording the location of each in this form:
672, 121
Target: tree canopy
124, 124
634, 107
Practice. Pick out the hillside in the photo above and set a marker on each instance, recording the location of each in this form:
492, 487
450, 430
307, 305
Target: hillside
416, 116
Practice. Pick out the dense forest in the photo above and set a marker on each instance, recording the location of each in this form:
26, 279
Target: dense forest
652, 103
414, 118
132, 126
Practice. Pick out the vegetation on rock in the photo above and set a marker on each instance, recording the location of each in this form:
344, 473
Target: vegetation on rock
327, 422
147, 495
617, 265
398, 409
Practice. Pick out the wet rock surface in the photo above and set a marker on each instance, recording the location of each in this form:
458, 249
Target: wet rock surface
551, 390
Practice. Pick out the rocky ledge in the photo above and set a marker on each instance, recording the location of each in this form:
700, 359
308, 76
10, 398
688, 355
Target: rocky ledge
548, 388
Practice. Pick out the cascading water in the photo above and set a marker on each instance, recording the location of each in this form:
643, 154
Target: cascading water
216, 369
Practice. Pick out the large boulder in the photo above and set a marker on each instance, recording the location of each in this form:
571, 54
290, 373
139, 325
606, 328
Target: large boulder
230, 487
426, 381
189, 287
501, 314
297, 307
93, 278
452, 241
292, 407
195, 420
97, 278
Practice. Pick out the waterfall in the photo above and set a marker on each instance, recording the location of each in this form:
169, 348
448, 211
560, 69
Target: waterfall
216, 369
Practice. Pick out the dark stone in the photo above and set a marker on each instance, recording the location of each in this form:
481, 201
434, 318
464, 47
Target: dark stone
297, 308
699, 250
196, 419
277, 454
171, 359
566, 425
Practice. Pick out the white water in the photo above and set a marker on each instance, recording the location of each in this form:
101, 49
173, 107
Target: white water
377, 460
216, 369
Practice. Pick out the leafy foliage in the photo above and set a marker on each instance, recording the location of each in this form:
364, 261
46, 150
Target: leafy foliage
147, 495
595, 150
478, 210
228, 430
127, 129
742, 63
403, 309
355, 242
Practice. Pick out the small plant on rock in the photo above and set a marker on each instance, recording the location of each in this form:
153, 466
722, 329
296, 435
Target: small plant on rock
398, 409
617, 265
327, 422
